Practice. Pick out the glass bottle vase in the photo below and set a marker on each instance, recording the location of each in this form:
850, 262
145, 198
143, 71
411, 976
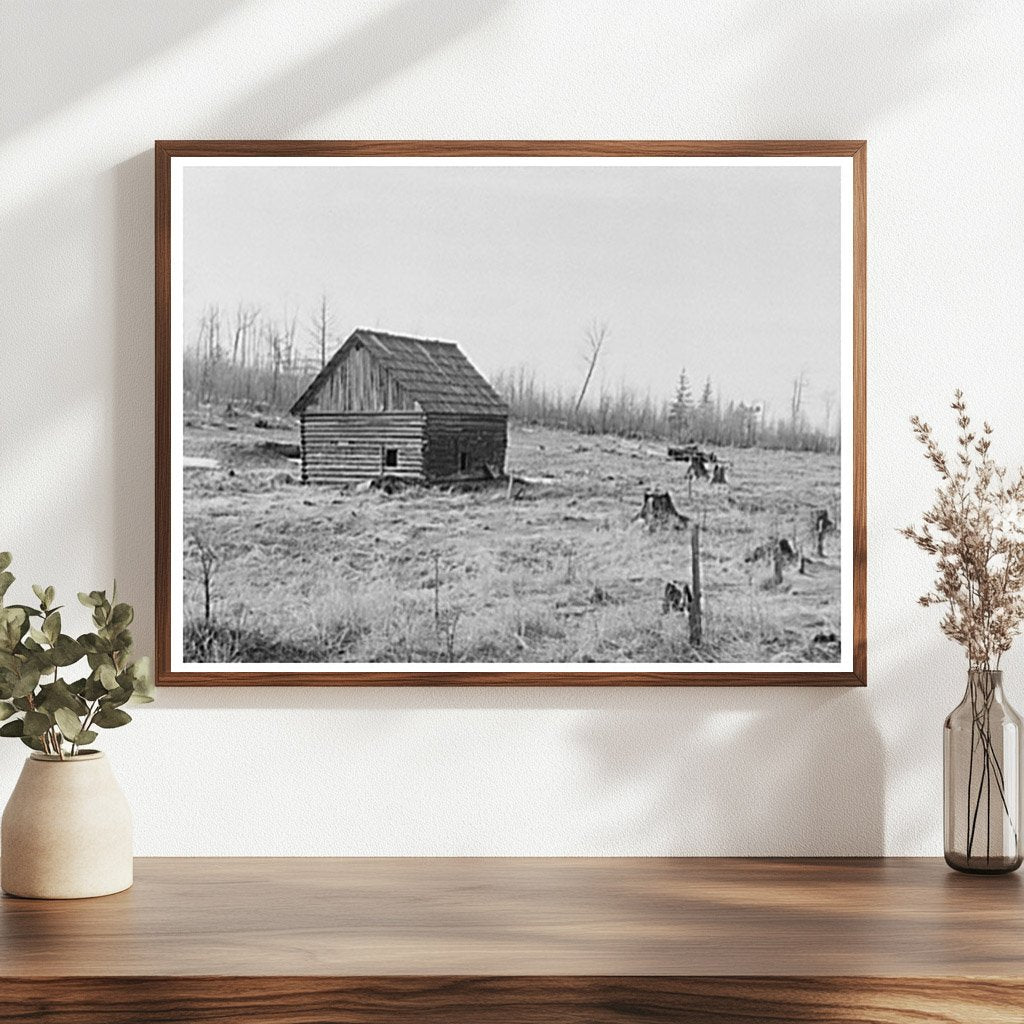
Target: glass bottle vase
981, 770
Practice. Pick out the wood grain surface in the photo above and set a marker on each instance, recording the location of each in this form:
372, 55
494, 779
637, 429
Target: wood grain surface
512, 1000
506, 916
166, 150
504, 940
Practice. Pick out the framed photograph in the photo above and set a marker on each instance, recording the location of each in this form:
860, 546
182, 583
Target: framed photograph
510, 413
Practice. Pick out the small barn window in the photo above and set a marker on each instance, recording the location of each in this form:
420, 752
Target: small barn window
463, 462
390, 458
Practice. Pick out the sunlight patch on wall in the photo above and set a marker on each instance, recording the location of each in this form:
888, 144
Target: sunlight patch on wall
203, 74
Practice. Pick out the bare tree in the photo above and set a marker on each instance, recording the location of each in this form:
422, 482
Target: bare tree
277, 343
245, 319
207, 559
321, 328
597, 334
797, 401
828, 400
210, 349
289, 341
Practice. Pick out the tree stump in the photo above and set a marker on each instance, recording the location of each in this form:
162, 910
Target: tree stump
660, 513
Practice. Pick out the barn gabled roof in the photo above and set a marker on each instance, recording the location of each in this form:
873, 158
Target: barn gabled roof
435, 374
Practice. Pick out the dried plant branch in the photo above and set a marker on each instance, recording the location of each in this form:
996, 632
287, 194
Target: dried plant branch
975, 532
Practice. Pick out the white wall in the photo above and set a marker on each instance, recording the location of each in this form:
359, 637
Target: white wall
936, 87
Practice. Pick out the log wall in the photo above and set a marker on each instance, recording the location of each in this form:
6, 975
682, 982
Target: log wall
482, 439
348, 447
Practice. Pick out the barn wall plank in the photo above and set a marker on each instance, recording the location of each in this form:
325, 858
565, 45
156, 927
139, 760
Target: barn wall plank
482, 439
349, 446
360, 383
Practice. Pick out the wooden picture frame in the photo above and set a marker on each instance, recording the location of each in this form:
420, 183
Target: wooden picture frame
849, 667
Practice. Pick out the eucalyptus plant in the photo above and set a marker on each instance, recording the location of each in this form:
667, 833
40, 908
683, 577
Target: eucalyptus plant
37, 704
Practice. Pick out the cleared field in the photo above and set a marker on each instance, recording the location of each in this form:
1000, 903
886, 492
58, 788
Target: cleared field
561, 572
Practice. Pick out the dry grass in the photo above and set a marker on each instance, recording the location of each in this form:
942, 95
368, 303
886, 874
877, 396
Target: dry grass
562, 575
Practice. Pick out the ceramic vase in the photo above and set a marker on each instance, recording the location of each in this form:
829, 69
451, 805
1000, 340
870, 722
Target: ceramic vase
66, 831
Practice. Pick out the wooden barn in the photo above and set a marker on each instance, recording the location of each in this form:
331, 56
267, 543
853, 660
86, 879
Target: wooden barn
399, 406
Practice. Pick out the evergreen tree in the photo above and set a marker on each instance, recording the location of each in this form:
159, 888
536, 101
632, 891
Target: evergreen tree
680, 415
706, 412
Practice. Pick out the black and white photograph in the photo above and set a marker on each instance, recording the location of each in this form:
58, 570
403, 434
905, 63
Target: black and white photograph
499, 414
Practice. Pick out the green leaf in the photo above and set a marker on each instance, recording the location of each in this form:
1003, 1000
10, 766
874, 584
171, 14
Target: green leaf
86, 736
40, 592
66, 651
13, 624
89, 600
123, 694
123, 640
36, 723
5, 560
6, 710
107, 676
15, 615
50, 595
51, 626
27, 681
38, 635
94, 689
110, 717
69, 723
122, 615
31, 741
13, 728
94, 644
6, 579
59, 695
29, 611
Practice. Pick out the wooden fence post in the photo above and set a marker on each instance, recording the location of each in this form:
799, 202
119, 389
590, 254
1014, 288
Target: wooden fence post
697, 604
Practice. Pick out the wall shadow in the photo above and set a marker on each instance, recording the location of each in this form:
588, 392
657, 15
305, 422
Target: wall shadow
825, 67
739, 772
394, 39
142, 34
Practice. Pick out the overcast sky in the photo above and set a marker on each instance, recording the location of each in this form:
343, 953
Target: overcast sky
732, 272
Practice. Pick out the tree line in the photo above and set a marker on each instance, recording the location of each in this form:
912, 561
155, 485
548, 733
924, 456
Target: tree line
247, 358
682, 418
627, 412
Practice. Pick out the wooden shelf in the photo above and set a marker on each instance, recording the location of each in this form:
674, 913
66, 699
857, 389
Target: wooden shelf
506, 940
